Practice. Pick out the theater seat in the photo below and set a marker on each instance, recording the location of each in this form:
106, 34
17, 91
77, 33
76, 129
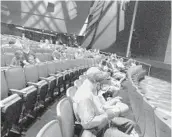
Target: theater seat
47, 56
11, 108
8, 58
2, 61
51, 129
52, 72
4, 87
66, 119
40, 56
51, 80
70, 93
32, 78
77, 83
17, 84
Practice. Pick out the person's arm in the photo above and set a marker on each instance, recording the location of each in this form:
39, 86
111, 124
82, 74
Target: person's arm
25, 62
87, 114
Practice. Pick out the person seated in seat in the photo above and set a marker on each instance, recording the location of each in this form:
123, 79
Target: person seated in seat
56, 54
29, 55
130, 63
18, 59
98, 116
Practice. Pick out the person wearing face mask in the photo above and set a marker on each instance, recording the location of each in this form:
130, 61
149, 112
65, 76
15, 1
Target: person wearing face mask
29, 55
98, 116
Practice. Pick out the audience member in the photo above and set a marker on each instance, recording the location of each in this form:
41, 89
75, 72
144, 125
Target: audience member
95, 114
18, 59
29, 55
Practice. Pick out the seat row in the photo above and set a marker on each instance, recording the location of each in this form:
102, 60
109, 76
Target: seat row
153, 122
7, 58
66, 124
36, 50
29, 88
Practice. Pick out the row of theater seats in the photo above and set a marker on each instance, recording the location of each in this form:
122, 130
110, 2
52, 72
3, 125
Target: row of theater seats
7, 57
152, 121
36, 50
26, 90
66, 124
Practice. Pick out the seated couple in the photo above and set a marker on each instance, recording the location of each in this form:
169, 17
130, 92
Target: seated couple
99, 117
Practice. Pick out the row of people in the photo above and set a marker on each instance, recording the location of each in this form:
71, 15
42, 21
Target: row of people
103, 115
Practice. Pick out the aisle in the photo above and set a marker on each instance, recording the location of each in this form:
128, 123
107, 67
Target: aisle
50, 114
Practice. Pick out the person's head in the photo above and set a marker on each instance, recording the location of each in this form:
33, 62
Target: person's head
12, 42
102, 64
18, 54
97, 79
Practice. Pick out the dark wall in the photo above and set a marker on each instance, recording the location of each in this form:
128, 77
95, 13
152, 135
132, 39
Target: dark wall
152, 28
153, 23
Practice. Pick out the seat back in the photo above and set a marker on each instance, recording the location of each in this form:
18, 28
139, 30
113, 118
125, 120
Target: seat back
71, 92
77, 83
10, 111
66, 116
8, 58
149, 119
51, 129
40, 56
2, 61
31, 73
58, 65
8, 50
47, 56
51, 68
42, 70
82, 77
162, 124
4, 87
15, 78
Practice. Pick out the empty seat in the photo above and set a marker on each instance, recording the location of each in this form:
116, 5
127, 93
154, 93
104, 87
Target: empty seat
11, 108
32, 78
40, 56
47, 56
8, 58
51, 129
17, 84
43, 75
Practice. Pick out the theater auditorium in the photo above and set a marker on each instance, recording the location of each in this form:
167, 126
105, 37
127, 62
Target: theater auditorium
85, 68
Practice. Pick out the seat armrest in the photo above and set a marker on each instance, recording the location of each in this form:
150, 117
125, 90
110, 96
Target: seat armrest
55, 75
42, 78
16, 91
32, 84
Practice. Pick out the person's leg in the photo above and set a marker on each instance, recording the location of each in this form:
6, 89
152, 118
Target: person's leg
125, 125
114, 132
